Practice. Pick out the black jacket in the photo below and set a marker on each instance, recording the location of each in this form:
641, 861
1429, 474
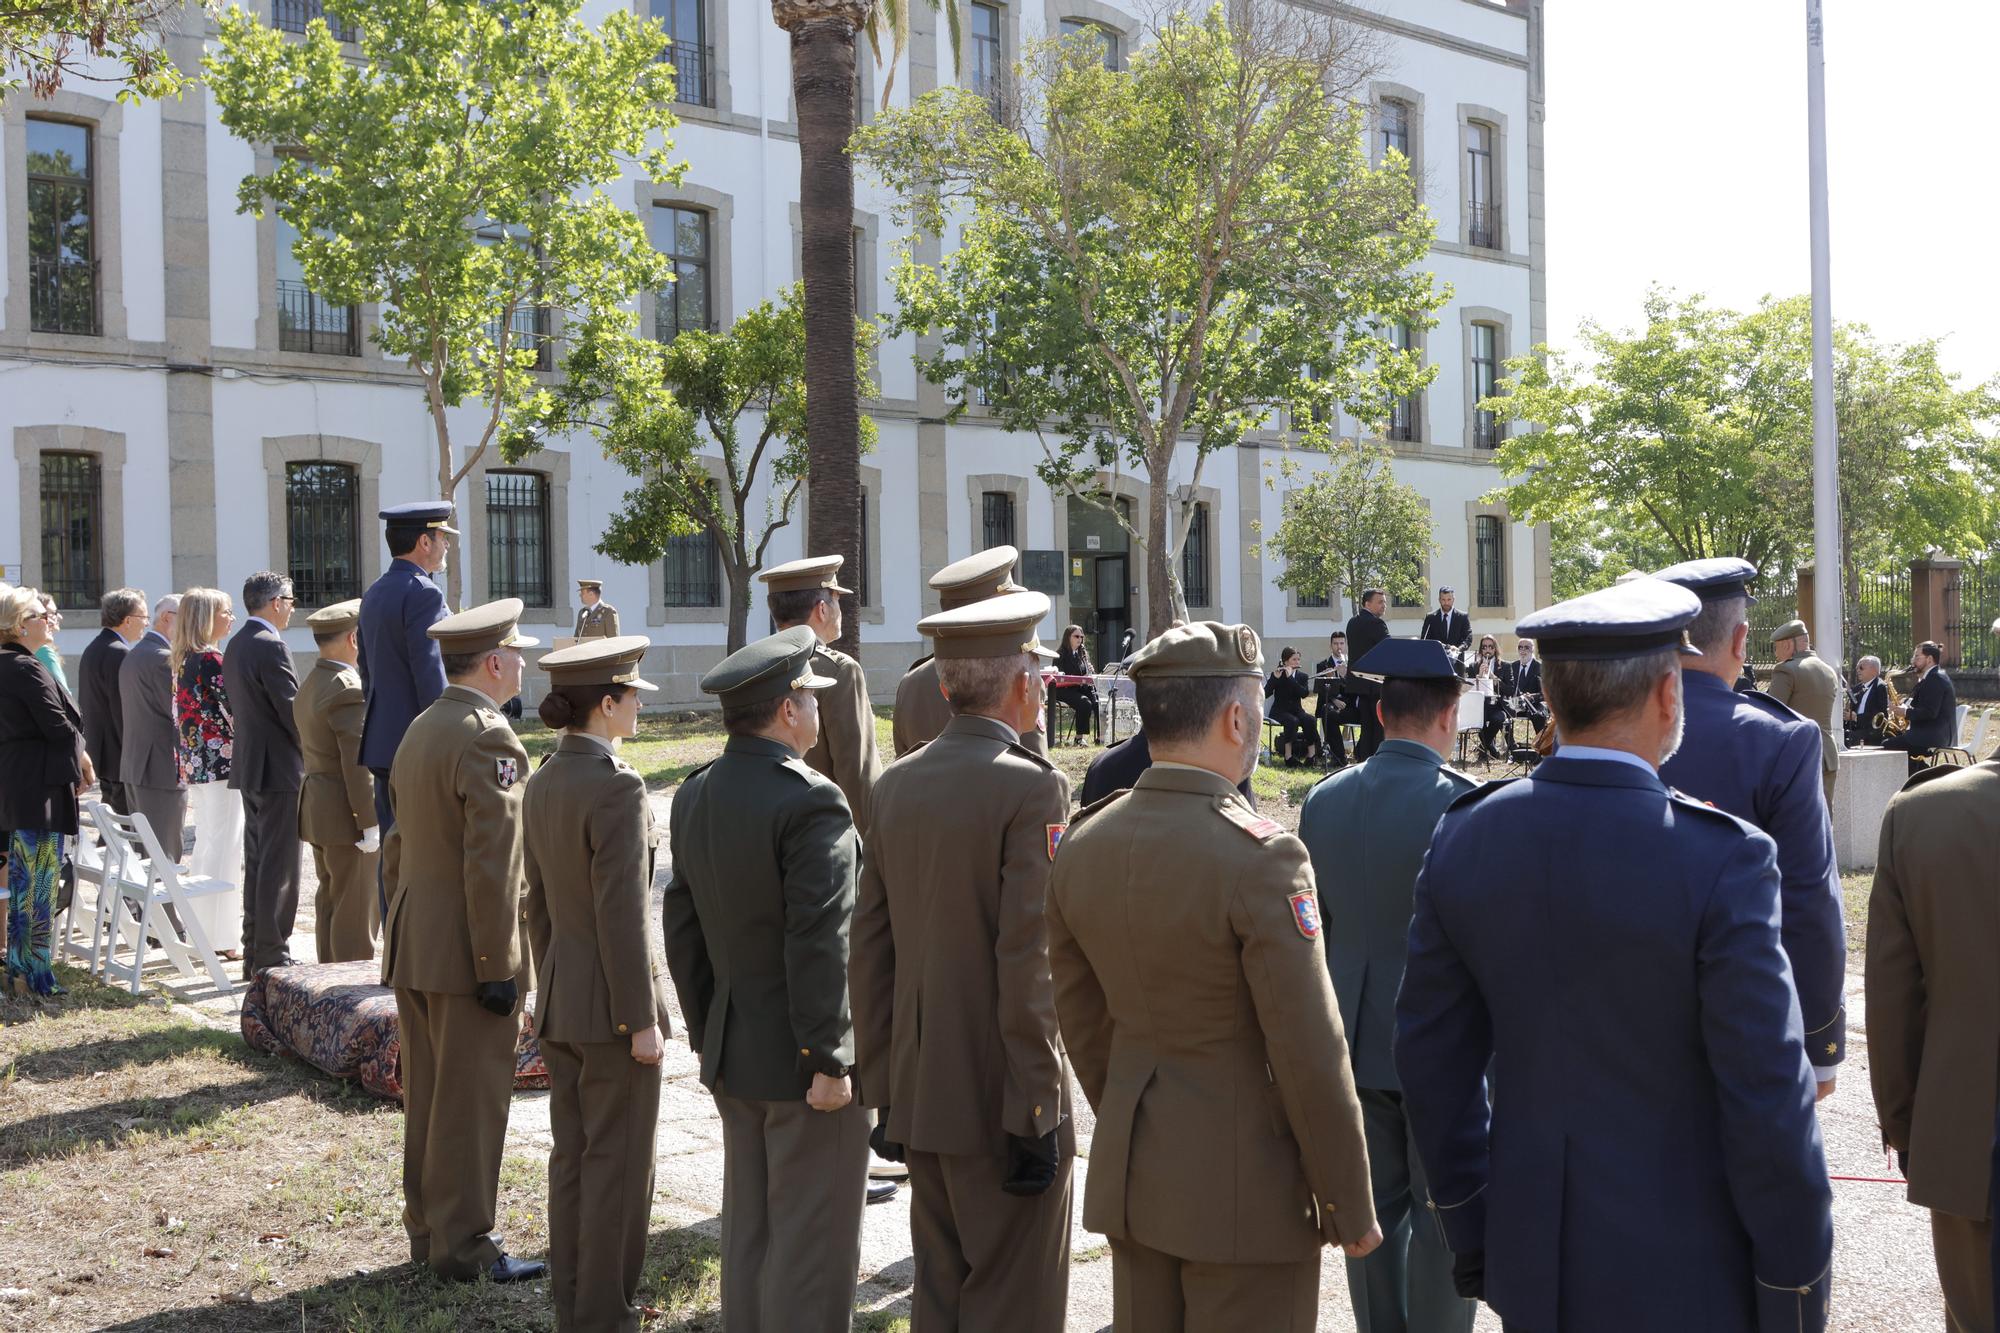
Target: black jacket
1934, 712
97, 699
1871, 706
1452, 628
1365, 629
1287, 691
41, 747
1120, 766
1513, 681
1328, 691
257, 672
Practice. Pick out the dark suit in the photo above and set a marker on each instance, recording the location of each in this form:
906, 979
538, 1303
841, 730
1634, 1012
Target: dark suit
1451, 628
1120, 766
1933, 716
1524, 686
1331, 718
1650, 1161
1871, 711
147, 765
1365, 629
103, 714
267, 767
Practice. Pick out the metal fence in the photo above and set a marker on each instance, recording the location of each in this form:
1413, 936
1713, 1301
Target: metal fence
1775, 605
1881, 624
1972, 602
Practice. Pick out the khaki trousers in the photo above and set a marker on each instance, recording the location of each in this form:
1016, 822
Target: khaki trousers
1965, 1271
345, 919
458, 1077
604, 1108
794, 1182
987, 1261
1153, 1292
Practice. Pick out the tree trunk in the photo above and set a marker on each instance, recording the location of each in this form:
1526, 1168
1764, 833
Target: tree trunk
823, 92
454, 570
1159, 559
739, 600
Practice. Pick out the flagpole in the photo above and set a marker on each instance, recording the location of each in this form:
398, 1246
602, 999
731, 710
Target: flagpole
1827, 562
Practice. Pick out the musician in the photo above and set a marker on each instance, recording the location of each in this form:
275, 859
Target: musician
1073, 659
1287, 688
1365, 629
1867, 704
1932, 708
1521, 685
1451, 628
1485, 679
1330, 683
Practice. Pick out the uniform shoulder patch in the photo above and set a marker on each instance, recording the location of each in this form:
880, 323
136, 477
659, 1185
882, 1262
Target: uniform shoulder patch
1260, 827
1305, 913
507, 771
1478, 793
1055, 832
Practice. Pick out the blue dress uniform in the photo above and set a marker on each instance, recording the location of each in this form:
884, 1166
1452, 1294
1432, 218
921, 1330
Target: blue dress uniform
1367, 830
402, 671
1650, 1161
1744, 752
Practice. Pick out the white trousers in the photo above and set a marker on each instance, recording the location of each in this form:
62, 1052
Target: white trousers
217, 815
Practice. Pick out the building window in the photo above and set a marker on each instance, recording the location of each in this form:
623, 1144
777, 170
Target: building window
1490, 559
1482, 203
322, 556
530, 319
1485, 381
297, 15
984, 69
1392, 129
681, 234
996, 510
62, 232
1106, 39
861, 589
686, 24
306, 322
1316, 410
1407, 603
1403, 411
517, 537
1194, 560
72, 528
693, 573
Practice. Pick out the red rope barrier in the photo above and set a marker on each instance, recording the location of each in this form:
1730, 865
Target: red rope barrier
1871, 1180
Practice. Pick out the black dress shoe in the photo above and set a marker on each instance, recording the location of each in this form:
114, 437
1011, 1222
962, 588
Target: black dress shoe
509, 1269
881, 1191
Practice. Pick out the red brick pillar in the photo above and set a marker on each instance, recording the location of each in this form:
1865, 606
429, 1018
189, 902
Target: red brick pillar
1932, 615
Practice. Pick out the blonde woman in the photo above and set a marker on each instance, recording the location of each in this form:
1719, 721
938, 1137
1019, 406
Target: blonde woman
207, 734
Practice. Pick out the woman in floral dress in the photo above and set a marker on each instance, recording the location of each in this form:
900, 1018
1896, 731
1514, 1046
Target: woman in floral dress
207, 735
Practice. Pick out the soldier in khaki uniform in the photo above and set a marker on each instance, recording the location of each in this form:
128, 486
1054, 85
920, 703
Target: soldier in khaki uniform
954, 1010
597, 618
601, 1008
337, 798
807, 592
1184, 934
1808, 686
921, 708
451, 943
756, 920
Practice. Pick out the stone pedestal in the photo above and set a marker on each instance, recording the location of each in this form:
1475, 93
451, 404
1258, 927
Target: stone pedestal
1868, 778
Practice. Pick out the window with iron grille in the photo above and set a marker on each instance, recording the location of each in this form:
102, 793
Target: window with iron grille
1402, 411
985, 70
681, 234
996, 509
62, 229
1107, 40
517, 537
693, 571
1482, 201
686, 24
1309, 602
72, 528
1392, 128
1194, 560
1410, 603
308, 322
1490, 557
297, 15
1485, 381
529, 321
322, 553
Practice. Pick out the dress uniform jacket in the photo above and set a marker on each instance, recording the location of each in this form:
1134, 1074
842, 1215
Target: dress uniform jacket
1809, 686
846, 750
1758, 760
1651, 1159
597, 622
103, 716
336, 802
1193, 993
401, 666
922, 712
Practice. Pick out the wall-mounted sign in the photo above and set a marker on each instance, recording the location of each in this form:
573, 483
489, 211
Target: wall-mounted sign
1042, 571
1076, 567
1093, 542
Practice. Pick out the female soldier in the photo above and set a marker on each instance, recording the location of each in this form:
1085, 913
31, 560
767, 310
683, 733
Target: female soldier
602, 1002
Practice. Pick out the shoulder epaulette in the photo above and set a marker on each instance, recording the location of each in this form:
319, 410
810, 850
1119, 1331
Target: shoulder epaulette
1238, 812
1015, 747
1458, 775
1478, 793
1101, 803
919, 662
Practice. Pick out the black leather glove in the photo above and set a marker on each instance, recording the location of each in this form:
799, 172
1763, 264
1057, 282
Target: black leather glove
1031, 1164
1468, 1274
498, 997
878, 1139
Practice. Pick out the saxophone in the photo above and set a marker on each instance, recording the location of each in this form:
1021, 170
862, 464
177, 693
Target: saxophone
1892, 722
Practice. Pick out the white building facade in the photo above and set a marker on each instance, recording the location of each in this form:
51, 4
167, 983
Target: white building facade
181, 412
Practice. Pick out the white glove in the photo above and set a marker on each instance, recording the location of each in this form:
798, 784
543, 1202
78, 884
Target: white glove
371, 840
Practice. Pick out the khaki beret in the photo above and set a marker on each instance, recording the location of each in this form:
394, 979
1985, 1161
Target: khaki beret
767, 669
815, 571
997, 627
1204, 648
481, 629
1791, 629
599, 662
976, 578
336, 619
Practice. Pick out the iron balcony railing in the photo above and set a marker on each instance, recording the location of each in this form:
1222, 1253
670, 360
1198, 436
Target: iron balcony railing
694, 73
1483, 226
62, 295
1486, 431
297, 15
311, 323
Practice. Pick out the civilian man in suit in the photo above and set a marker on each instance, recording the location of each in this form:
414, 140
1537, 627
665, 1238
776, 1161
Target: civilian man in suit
1365, 629
401, 670
267, 768
1521, 680
1807, 685
122, 613
147, 766
1367, 831
807, 592
1451, 628
597, 618
921, 708
1934, 1015
1756, 759
337, 797
954, 1011
1932, 708
1867, 703
1330, 686
756, 920
1609, 950
453, 944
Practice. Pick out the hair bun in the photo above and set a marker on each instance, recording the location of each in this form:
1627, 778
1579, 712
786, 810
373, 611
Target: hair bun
556, 710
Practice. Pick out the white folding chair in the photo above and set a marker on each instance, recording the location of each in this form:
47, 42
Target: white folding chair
1958, 756
151, 881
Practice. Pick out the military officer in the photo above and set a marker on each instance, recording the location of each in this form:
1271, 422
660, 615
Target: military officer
921, 708
1367, 830
601, 1007
1755, 758
1191, 984
1650, 1160
954, 1011
1809, 686
756, 919
807, 592
337, 798
597, 619
451, 943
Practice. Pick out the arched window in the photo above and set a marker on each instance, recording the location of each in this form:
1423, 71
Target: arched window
517, 537
322, 552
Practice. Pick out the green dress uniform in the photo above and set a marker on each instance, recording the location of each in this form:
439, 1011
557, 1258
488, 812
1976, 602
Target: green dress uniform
846, 749
599, 621
588, 856
451, 944
1808, 686
921, 708
954, 1009
756, 919
337, 797
1184, 936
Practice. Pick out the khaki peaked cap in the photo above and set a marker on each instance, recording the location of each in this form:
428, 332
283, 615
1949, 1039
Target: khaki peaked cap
979, 576
1204, 648
336, 619
815, 571
481, 629
996, 627
770, 668
599, 662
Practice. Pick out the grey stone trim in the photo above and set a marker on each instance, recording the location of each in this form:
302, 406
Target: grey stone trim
1212, 497
1379, 91
1545, 593
368, 314
191, 492
1469, 590
976, 486
721, 210
1538, 250
1471, 113
1480, 253
192, 502
1503, 320
1369, 18
106, 119
1249, 521
1116, 21
109, 446
364, 456
870, 611
867, 285
1456, 454
554, 465
715, 15
934, 539
657, 610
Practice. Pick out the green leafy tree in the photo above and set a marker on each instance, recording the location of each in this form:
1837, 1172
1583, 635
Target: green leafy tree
45, 44
1165, 253
454, 171
735, 399
1350, 527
